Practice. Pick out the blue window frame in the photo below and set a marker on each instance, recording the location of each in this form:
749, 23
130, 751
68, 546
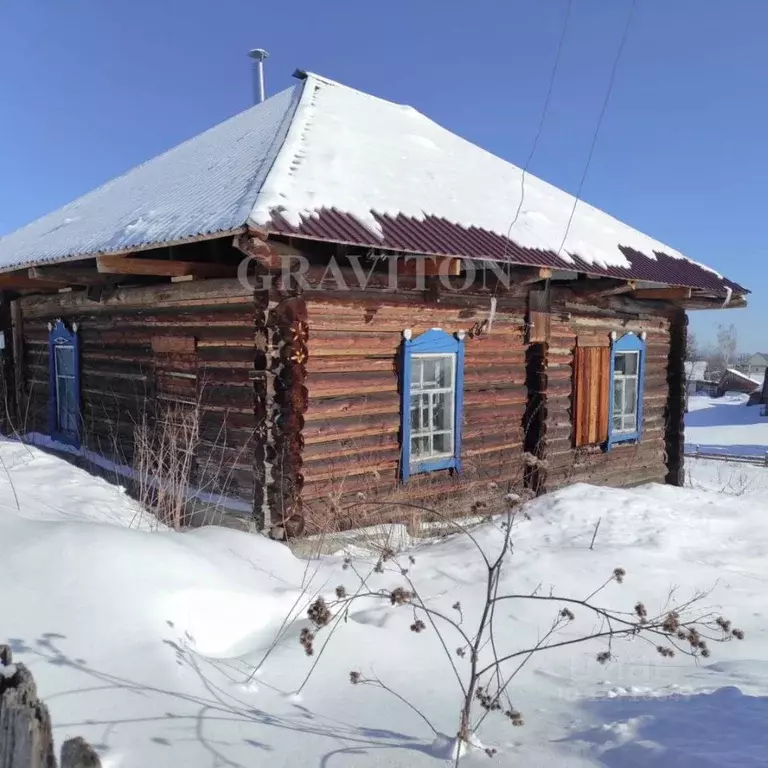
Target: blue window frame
432, 386
625, 413
64, 383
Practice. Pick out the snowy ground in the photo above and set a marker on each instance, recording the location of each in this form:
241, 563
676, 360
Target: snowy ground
142, 641
726, 425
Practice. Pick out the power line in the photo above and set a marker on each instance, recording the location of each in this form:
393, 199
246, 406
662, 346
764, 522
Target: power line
611, 81
542, 119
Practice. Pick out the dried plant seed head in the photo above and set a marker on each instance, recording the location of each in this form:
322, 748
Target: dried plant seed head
604, 657
461, 652
387, 554
738, 634
400, 596
347, 563
567, 613
619, 574
319, 613
490, 751
664, 651
724, 624
306, 638
341, 592
418, 626
456, 606
379, 567
411, 559
642, 612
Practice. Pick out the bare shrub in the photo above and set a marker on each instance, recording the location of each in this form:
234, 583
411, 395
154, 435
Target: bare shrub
477, 654
165, 449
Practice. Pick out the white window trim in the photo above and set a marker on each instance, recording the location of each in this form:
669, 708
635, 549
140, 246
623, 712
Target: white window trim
414, 435
624, 378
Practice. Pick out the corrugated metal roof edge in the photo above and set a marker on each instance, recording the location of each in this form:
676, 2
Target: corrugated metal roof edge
244, 208
150, 246
281, 227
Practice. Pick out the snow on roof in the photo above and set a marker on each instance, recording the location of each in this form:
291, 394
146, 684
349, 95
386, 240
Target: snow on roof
742, 375
322, 149
389, 159
696, 370
205, 185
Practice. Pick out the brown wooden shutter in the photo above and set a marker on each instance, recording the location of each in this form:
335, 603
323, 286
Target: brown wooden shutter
591, 379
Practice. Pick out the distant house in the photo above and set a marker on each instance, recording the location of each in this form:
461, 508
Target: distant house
756, 365
427, 354
736, 381
695, 376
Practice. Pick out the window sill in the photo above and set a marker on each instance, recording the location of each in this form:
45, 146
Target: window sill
620, 440
432, 465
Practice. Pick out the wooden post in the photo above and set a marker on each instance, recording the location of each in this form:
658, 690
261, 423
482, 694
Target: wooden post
674, 435
26, 739
535, 417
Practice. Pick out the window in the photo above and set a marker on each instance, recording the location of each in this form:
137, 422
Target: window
64, 382
626, 366
608, 392
432, 395
627, 371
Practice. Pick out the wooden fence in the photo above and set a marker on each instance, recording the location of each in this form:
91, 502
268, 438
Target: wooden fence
26, 738
758, 461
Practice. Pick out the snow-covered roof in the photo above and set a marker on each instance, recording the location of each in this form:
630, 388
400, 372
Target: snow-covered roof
753, 379
205, 185
325, 160
695, 370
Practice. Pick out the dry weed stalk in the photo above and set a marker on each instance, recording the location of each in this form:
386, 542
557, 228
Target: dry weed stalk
483, 667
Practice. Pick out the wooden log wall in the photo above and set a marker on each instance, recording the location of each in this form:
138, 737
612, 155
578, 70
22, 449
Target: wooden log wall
155, 348
351, 431
625, 464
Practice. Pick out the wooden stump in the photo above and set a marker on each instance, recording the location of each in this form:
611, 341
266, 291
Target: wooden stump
26, 738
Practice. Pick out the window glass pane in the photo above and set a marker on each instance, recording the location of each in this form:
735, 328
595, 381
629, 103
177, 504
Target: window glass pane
441, 410
630, 423
445, 372
630, 363
67, 405
630, 396
415, 413
618, 397
419, 447
442, 442
415, 373
617, 423
65, 361
620, 363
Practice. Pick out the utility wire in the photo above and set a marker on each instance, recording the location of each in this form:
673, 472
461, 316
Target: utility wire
608, 92
542, 119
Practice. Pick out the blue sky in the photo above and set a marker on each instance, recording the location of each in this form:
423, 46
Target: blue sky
90, 88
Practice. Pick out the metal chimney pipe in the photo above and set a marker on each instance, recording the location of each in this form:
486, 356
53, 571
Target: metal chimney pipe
258, 55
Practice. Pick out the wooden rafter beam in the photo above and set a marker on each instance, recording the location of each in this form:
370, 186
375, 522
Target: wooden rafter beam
528, 276
22, 282
66, 276
672, 293
125, 265
600, 286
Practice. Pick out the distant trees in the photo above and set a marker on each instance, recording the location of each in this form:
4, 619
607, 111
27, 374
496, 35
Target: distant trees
727, 344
